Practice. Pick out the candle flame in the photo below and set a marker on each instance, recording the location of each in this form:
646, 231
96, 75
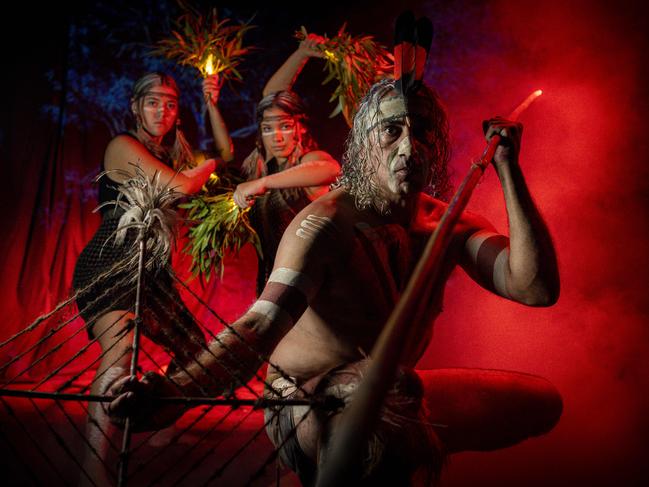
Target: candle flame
209, 65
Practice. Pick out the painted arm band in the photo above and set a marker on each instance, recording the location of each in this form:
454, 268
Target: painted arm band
285, 297
489, 254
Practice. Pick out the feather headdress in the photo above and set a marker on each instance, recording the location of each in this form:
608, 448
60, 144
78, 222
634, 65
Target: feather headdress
412, 40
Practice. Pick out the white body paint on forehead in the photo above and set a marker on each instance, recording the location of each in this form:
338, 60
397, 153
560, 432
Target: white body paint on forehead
161, 94
276, 118
289, 277
311, 225
392, 107
279, 119
272, 312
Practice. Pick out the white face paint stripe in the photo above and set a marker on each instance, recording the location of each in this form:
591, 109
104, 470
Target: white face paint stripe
299, 281
500, 268
475, 241
271, 311
283, 131
311, 224
390, 108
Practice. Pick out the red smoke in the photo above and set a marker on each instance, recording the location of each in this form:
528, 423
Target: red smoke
585, 157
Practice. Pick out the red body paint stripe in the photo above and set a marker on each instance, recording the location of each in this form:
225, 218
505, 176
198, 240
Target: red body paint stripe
289, 298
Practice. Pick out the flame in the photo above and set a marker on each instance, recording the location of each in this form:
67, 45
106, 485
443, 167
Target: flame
329, 55
209, 65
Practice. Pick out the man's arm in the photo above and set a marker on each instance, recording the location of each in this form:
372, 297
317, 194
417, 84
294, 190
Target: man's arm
233, 357
306, 250
522, 267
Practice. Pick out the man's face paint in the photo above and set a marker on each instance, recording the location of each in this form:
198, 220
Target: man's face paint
279, 133
397, 136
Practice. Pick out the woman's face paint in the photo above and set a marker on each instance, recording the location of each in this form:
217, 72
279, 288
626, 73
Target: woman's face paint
158, 110
279, 133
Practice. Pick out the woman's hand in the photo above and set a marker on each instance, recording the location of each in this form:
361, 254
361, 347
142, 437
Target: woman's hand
309, 46
195, 178
244, 195
211, 88
208, 166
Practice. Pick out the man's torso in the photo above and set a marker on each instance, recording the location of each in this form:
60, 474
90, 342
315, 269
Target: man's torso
374, 258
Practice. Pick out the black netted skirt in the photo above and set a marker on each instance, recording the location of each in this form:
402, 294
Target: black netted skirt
98, 289
101, 288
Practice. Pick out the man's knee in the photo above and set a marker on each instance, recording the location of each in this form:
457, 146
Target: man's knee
489, 409
532, 407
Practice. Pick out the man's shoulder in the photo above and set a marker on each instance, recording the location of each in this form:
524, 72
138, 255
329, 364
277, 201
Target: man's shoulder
328, 217
429, 205
334, 205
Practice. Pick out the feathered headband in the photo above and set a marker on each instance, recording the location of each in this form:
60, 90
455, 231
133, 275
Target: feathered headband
412, 40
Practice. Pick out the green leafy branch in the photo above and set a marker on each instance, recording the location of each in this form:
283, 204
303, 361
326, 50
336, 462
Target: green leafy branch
218, 226
356, 63
210, 45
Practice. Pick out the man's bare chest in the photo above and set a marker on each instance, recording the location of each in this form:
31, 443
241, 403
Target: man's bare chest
384, 256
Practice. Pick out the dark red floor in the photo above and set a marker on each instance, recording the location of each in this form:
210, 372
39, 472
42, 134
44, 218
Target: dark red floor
41, 442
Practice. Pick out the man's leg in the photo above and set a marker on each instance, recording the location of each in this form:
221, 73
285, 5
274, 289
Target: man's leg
401, 447
485, 410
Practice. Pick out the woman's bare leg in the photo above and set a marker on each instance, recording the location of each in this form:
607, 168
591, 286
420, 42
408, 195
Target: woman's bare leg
114, 364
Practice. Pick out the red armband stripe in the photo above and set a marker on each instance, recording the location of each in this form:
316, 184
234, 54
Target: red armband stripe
290, 299
487, 255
